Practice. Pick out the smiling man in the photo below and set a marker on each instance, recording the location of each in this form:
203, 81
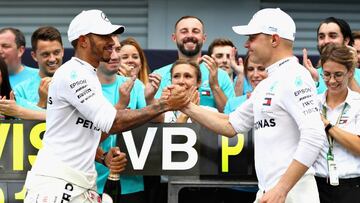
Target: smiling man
48, 52
216, 86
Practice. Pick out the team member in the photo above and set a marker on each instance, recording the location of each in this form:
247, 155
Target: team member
77, 112
288, 132
130, 95
12, 48
48, 52
340, 110
216, 86
254, 73
224, 52
331, 30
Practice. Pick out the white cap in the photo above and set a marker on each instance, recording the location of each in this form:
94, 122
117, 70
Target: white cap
92, 21
269, 21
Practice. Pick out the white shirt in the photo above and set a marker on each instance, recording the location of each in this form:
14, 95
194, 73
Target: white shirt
284, 112
347, 163
77, 112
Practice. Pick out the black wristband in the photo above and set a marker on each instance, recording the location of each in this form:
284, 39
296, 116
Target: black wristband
103, 157
328, 127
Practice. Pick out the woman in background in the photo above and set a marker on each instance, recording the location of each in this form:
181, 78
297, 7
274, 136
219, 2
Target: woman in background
254, 73
337, 171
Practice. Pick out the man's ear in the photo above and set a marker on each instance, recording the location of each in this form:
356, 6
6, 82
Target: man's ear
275, 40
173, 37
346, 41
21, 51
33, 55
82, 41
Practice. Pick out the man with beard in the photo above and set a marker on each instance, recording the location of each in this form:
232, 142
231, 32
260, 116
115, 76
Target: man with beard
337, 31
283, 112
216, 86
48, 52
77, 113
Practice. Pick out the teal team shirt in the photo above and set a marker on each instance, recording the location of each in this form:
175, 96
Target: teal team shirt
26, 93
129, 184
321, 88
233, 103
206, 96
25, 74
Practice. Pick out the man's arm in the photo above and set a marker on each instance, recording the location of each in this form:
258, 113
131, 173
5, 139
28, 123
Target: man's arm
127, 119
214, 121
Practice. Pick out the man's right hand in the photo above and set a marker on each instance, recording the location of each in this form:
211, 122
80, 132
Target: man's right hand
309, 66
116, 160
43, 91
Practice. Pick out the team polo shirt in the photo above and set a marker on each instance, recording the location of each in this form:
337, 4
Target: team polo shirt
206, 95
27, 93
285, 117
23, 75
322, 86
129, 184
233, 103
76, 114
348, 164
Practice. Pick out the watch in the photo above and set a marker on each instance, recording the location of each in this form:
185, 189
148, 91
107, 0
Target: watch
328, 127
102, 158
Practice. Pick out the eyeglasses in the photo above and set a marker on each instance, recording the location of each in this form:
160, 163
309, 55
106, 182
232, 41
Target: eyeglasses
338, 76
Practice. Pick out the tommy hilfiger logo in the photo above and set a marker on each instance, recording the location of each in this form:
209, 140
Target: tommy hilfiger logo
205, 93
267, 101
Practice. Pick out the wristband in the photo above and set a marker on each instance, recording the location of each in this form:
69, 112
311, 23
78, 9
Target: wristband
328, 127
103, 157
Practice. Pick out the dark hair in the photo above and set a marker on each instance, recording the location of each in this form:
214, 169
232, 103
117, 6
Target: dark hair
341, 54
46, 33
186, 17
19, 36
343, 25
219, 42
144, 71
5, 87
188, 62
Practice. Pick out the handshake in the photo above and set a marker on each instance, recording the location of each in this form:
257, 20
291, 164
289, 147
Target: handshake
176, 97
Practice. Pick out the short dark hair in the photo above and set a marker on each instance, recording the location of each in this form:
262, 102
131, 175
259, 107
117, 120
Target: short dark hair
219, 42
46, 33
186, 17
343, 25
188, 62
19, 36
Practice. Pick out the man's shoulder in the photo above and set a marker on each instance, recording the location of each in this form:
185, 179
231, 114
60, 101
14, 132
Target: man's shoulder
29, 69
163, 70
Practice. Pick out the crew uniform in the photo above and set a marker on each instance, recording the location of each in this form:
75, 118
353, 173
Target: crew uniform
348, 164
77, 112
285, 117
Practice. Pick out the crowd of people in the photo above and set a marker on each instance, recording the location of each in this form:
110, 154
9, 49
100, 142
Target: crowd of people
313, 111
